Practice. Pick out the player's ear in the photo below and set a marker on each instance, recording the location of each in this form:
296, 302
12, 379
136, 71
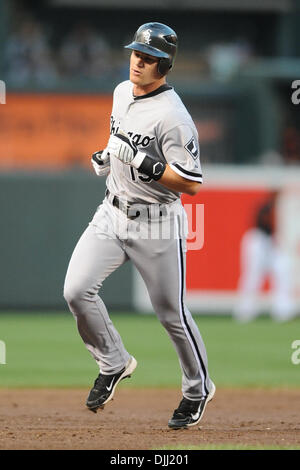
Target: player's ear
164, 66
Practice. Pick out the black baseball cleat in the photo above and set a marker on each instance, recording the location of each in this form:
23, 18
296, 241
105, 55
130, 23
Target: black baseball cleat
190, 412
105, 385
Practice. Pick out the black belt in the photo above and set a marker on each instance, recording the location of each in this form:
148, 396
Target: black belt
134, 209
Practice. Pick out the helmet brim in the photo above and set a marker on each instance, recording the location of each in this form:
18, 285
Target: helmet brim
150, 50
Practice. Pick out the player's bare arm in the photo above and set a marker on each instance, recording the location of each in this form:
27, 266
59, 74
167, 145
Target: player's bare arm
173, 181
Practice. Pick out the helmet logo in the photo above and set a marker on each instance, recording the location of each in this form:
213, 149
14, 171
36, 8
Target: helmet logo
147, 36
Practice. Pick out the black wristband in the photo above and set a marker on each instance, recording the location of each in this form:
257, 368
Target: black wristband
97, 157
152, 167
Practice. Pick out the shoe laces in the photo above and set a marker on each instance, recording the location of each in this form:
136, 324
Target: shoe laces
102, 380
187, 406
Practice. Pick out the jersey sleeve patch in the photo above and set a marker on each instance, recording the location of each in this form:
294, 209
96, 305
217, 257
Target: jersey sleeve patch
192, 148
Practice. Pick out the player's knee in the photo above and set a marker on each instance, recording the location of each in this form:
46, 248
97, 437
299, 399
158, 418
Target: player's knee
74, 295
169, 319
167, 323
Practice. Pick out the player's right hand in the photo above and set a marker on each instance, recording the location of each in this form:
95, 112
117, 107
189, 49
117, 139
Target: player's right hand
122, 147
101, 162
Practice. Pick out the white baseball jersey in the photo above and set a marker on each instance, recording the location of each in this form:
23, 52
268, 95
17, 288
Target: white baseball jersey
161, 126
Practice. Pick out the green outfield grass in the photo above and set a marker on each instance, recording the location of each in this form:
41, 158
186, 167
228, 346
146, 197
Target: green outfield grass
46, 350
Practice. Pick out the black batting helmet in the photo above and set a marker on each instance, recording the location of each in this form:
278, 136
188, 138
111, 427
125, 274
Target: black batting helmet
158, 40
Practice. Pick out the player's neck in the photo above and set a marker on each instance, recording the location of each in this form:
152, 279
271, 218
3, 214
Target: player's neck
139, 90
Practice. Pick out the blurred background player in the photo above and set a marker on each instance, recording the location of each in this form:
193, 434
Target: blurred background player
261, 255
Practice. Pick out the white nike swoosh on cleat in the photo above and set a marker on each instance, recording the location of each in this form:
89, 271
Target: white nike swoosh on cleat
111, 384
196, 415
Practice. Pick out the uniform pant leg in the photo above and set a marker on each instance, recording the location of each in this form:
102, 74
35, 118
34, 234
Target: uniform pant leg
94, 259
283, 305
161, 263
254, 254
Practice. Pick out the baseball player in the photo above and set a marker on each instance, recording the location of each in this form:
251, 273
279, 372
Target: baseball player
152, 156
262, 255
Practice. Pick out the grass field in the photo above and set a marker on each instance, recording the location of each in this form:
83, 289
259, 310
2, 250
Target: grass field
45, 349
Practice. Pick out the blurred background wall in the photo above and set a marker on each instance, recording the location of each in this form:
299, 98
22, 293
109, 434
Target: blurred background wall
60, 61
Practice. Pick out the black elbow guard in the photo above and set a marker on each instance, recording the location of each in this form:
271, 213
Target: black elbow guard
152, 167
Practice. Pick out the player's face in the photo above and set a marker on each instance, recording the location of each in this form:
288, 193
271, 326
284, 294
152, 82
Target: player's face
143, 69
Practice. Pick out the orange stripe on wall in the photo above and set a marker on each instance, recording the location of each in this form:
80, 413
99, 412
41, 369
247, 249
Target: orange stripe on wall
52, 130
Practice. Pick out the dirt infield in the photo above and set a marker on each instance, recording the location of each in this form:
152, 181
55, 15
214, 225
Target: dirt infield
137, 419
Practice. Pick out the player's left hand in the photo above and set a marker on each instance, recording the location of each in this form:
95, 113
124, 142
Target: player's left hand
101, 162
122, 147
